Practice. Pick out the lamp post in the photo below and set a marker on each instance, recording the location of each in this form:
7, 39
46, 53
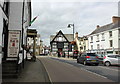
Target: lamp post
69, 26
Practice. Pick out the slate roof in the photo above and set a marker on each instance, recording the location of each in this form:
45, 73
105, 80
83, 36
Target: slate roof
69, 37
106, 27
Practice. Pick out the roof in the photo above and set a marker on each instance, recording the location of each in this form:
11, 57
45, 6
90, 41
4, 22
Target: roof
69, 37
106, 27
52, 37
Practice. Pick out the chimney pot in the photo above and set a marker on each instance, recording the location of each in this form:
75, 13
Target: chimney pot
98, 26
76, 34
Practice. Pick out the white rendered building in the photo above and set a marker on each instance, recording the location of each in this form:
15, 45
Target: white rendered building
106, 39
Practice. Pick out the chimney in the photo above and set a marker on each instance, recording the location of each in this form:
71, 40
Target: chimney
115, 19
97, 26
76, 35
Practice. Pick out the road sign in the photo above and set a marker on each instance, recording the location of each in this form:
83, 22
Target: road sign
13, 43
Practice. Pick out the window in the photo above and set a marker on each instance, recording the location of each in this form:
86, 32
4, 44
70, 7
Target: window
91, 38
91, 47
84, 47
112, 56
97, 38
110, 33
98, 46
111, 43
119, 31
103, 37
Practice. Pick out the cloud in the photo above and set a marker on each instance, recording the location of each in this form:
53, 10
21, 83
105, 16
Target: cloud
55, 16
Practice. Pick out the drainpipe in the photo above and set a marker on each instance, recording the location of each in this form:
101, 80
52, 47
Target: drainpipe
23, 31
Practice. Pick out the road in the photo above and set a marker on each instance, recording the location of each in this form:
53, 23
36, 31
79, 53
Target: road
112, 72
62, 71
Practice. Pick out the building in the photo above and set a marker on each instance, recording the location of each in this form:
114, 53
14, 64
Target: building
106, 39
38, 44
15, 19
61, 43
3, 25
82, 43
30, 43
41, 47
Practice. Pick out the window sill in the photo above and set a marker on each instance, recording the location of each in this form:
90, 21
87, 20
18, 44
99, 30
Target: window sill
102, 40
97, 41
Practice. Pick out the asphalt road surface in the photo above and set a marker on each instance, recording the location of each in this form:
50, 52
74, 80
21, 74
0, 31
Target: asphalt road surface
60, 71
111, 72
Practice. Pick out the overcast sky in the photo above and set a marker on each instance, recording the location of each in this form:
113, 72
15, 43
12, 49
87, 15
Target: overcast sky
56, 15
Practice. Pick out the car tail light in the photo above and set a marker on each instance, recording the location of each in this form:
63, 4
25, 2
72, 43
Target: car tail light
87, 56
104, 57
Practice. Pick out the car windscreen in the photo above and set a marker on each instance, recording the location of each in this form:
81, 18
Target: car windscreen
91, 54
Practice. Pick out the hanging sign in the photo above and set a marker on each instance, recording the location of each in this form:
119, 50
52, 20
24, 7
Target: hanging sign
13, 43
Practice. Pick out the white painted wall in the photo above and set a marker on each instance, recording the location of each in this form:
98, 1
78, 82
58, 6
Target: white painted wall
1, 29
15, 16
1, 26
105, 44
15, 19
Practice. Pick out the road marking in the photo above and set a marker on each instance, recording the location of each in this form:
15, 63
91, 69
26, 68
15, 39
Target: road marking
94, 73
108, 68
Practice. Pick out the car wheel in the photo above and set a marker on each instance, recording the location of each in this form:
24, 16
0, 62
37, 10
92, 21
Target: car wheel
96, 64
107, 64
78, 61
84, 63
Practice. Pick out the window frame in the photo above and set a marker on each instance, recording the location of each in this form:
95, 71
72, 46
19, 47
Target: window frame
110, 33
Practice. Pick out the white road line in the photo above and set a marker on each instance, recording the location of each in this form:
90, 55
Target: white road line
108, 68
94, 73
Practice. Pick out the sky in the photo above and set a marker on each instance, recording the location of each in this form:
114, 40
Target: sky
55, 15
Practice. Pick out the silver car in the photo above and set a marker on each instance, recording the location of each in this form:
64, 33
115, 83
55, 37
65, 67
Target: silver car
111, 60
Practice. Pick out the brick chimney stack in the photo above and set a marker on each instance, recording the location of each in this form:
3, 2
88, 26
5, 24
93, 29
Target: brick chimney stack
115, 19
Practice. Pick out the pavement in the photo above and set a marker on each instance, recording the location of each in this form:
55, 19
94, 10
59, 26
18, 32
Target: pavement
32, 72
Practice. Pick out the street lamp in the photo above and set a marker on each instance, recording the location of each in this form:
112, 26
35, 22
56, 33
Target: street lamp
69, 26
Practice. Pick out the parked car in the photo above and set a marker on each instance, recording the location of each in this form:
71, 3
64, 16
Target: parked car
75, 54
100, 57
111, 60
88, 58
